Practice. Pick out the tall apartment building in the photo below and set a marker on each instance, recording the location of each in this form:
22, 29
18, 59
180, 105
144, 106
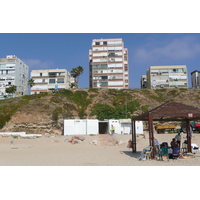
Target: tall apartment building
173, 76
50, 79
108, 64
195, 78
143, 81
13, 71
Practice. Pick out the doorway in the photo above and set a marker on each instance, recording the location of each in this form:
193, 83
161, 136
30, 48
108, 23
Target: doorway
103, 128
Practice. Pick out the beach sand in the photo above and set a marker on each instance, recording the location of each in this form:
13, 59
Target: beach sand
96, 150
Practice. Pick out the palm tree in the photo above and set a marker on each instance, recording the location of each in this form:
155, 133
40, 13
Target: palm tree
11, 90
31, 82
76, 72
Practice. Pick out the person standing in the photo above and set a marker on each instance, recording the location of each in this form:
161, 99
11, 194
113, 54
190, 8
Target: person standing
178, 139
112, 129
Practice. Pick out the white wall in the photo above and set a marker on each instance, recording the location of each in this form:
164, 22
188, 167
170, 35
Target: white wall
91, 126
81, 127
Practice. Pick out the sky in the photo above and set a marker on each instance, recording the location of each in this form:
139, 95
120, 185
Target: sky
69, 50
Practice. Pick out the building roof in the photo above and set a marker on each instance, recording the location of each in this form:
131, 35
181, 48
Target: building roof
171, 111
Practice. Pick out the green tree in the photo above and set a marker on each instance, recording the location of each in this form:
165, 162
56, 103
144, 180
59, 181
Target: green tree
103, 111
31, 82
76, 72
11, 90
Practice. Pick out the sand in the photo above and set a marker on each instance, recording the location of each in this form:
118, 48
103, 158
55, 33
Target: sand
92, 151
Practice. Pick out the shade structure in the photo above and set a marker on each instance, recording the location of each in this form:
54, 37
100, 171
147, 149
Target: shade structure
169, 111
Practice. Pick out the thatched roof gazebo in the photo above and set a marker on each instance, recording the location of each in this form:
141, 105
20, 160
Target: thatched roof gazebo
169, 111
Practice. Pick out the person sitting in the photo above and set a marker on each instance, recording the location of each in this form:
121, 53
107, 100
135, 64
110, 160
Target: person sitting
174, 143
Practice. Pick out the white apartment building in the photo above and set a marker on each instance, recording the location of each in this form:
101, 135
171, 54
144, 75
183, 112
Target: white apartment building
13, 71
108, 64
195, 78
172, 76
46, 80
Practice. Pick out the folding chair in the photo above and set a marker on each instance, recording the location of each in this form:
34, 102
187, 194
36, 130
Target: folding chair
163, 152
146, 153
184, 148
175, 153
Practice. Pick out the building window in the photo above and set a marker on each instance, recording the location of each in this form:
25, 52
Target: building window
104, 43
43, 80
52, 80
52, 74
97, 43
40, 74
60, 80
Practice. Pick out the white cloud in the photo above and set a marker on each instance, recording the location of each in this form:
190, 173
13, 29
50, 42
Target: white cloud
35, 64
178, 49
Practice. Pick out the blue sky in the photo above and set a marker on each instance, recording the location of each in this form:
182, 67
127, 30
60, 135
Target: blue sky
69, 50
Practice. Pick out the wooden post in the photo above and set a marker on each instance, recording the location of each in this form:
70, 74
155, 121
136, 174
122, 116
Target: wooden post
188, 136
133, 136
151, 135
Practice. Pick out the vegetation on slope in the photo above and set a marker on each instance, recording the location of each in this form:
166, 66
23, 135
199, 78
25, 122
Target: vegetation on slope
94, 103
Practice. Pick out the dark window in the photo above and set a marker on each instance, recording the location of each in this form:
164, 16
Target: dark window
40, 74
104, 77
97, 43
52, 74
52, 80
104, 43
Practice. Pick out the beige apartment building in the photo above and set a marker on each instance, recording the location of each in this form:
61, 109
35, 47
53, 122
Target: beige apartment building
46, 80
172, 76
108, 64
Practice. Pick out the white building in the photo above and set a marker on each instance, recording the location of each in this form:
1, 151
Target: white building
46, 80
108, 64
95, 126
195, 78
13, 71
172, 76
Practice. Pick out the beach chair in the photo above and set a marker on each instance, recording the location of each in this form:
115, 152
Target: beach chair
146, 153
163, 152
175, 153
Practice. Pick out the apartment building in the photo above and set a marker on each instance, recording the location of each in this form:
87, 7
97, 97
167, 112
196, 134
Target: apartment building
195, 79
143, 82
108, 64
13, 72
173, 76
46, 80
